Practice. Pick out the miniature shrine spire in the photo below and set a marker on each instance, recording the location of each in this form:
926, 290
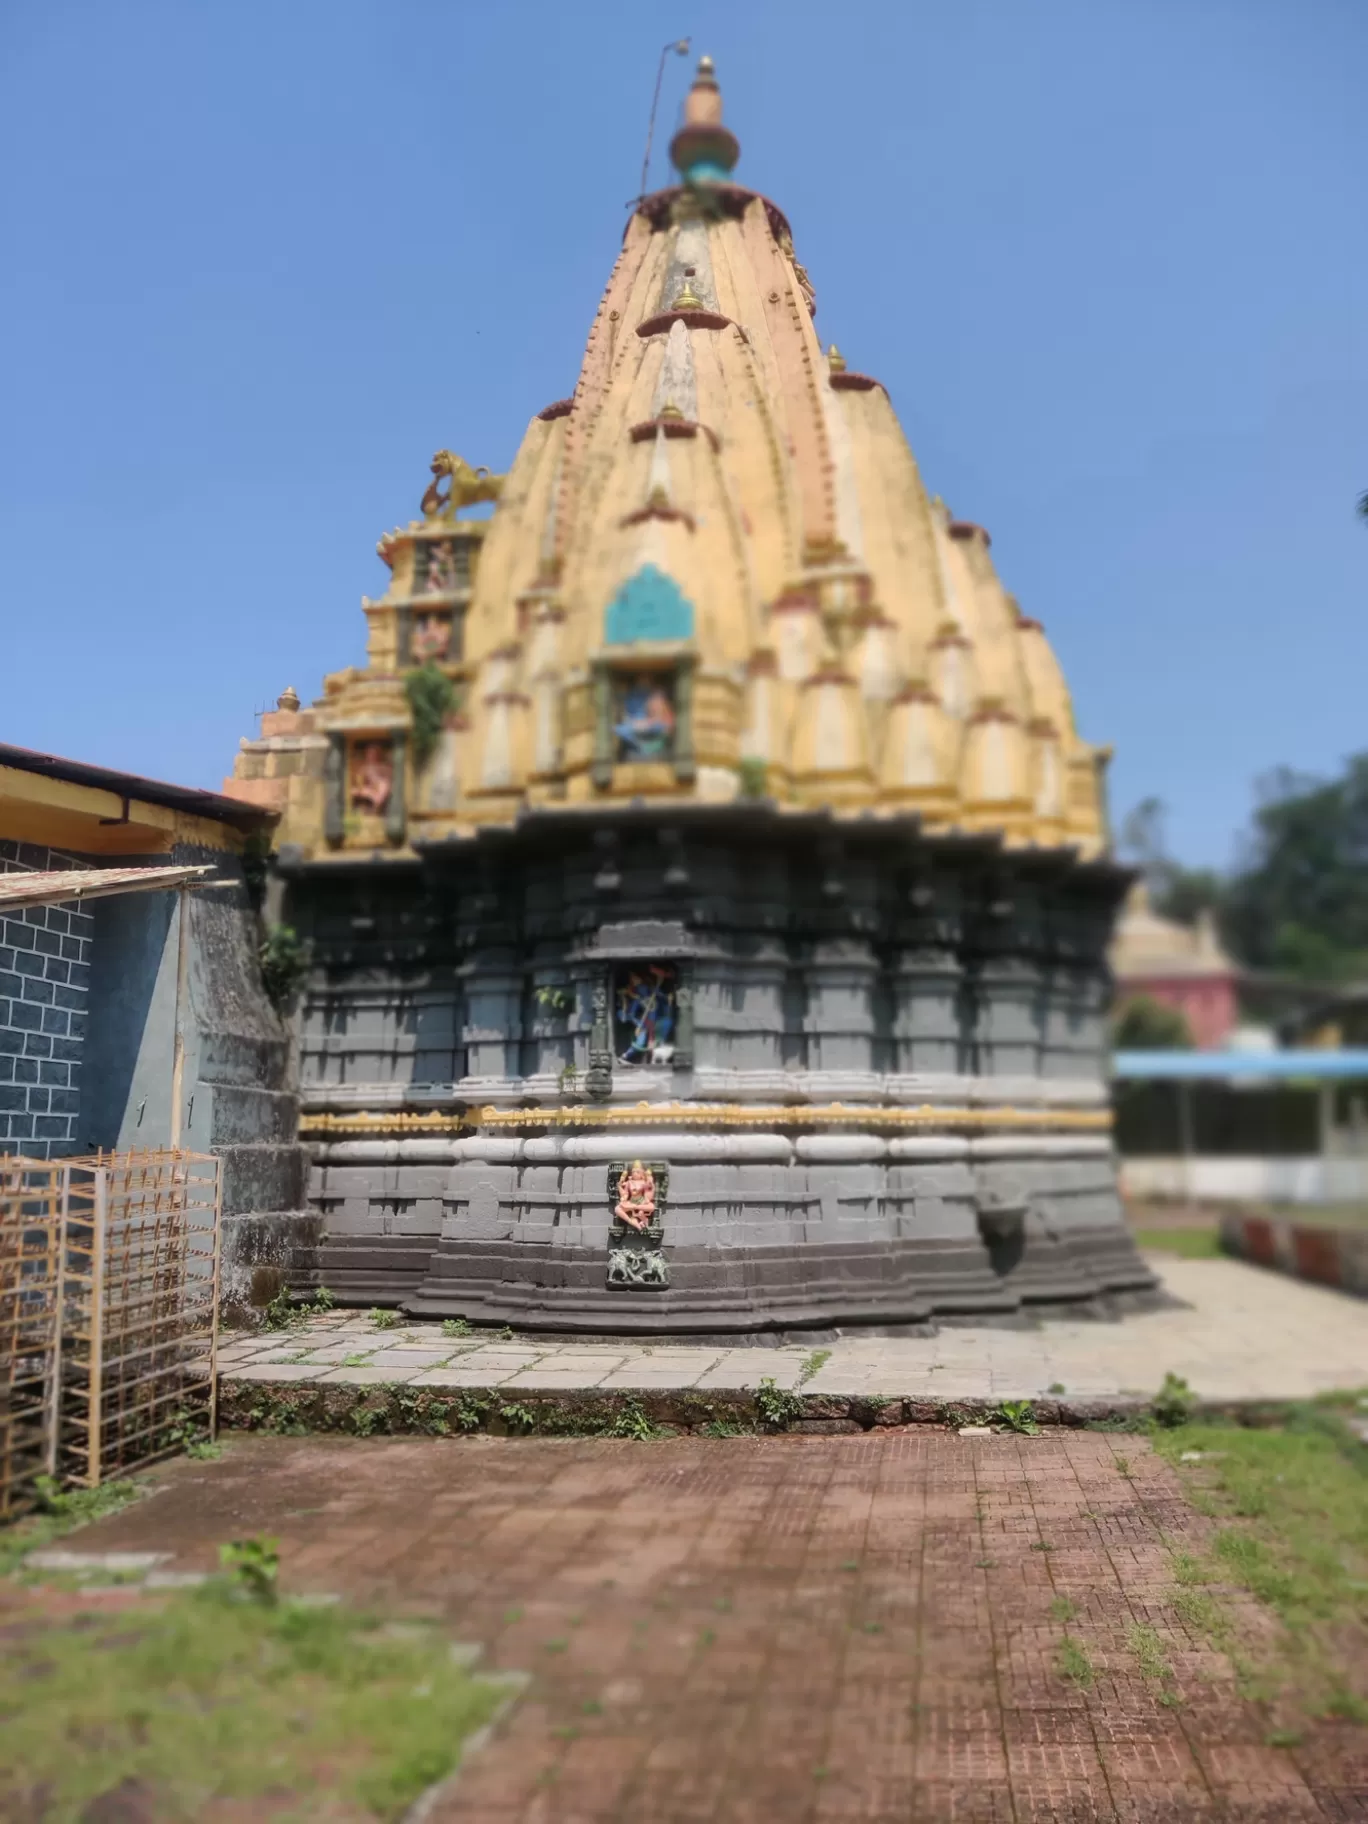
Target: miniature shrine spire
704, 151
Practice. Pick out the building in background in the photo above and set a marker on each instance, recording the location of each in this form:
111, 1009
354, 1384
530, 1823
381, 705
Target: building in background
1183, 967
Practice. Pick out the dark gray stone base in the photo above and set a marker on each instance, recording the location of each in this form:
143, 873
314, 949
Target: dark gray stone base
557, 1289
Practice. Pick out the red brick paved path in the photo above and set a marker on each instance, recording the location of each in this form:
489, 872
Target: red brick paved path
784, 1630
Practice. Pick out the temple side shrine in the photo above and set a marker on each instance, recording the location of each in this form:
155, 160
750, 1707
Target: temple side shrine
705, 884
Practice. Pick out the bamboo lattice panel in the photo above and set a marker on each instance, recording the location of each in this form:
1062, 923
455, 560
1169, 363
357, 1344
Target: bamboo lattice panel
141, 1296
108, 1306
30, 1307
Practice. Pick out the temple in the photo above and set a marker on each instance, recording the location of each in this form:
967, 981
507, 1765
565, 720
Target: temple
705, 885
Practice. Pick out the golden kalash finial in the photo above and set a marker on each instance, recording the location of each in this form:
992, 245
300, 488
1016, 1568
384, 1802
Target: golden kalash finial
466, 487
836, 361
688, 299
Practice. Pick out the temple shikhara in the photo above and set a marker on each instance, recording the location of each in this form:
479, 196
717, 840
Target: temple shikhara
704, 884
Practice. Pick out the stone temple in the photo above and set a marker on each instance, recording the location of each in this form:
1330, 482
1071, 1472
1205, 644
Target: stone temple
704, 888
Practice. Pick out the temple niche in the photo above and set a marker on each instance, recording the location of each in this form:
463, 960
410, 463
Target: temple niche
706, 885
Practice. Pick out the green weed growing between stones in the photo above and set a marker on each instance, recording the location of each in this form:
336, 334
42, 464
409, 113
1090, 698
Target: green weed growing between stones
778, 1409
1018, 1415
1073, 1664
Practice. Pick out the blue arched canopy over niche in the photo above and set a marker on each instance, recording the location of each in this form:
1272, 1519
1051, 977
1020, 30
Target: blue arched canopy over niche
649, 606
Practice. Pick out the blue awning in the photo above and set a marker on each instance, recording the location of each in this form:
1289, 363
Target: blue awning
1221, 1066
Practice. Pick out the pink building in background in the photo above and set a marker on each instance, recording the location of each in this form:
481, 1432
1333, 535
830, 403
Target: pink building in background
1181, 966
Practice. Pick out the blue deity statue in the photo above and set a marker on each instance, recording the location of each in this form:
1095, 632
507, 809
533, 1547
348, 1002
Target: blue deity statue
646, 1011
647, 725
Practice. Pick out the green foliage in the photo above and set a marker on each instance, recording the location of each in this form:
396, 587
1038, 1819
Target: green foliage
1299, 902
61, 1511
1292, 1508
1145, 1643
1063, 1608
431, 699
751, 777
1073, 1663
1141, 1023
813, 1365
256, 865
1173, 1403
1302, 901
286, 1313
284, 961
382, 1319
631, 1420
555, 1000
1192, 1244
455, 1326
261, 1707
253, 1566
1018, 1415
777, 1408
516, 1415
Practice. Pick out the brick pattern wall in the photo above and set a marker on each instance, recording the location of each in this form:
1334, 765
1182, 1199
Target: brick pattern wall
44, 981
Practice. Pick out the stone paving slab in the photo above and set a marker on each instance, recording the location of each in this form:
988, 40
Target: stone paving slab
785, 1630
1238, 1333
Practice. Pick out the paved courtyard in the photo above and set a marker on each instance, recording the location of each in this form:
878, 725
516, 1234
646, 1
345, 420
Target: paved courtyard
1239, 1332
905, 1626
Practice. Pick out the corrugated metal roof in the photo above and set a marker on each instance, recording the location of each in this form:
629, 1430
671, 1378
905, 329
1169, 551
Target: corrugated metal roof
54, 886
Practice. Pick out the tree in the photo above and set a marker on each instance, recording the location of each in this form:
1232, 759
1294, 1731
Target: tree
1143, 1024
1175, 891
1299, 902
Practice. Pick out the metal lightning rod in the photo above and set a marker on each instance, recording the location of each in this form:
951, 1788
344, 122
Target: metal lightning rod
680, 47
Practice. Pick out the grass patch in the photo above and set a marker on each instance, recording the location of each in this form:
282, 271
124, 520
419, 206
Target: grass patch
61, 1511
1063, 1608
1291, 1506
1192, 1244
1148, 1648
210, 1695
1073, 1663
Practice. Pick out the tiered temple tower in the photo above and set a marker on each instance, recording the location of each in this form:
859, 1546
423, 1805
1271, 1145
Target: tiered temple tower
709, 806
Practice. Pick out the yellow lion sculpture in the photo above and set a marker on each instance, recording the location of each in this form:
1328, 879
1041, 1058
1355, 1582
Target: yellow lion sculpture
466, 487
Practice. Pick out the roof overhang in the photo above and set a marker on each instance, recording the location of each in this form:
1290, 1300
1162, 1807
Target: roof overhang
57, 886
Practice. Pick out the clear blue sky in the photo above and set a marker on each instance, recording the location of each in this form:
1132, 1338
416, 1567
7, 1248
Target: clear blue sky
262, 257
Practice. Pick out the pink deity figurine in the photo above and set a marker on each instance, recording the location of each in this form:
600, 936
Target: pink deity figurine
372, 777
441, 572
636, 1196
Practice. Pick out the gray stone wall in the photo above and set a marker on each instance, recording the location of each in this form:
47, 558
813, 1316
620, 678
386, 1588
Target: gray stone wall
810, 965
45, 954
